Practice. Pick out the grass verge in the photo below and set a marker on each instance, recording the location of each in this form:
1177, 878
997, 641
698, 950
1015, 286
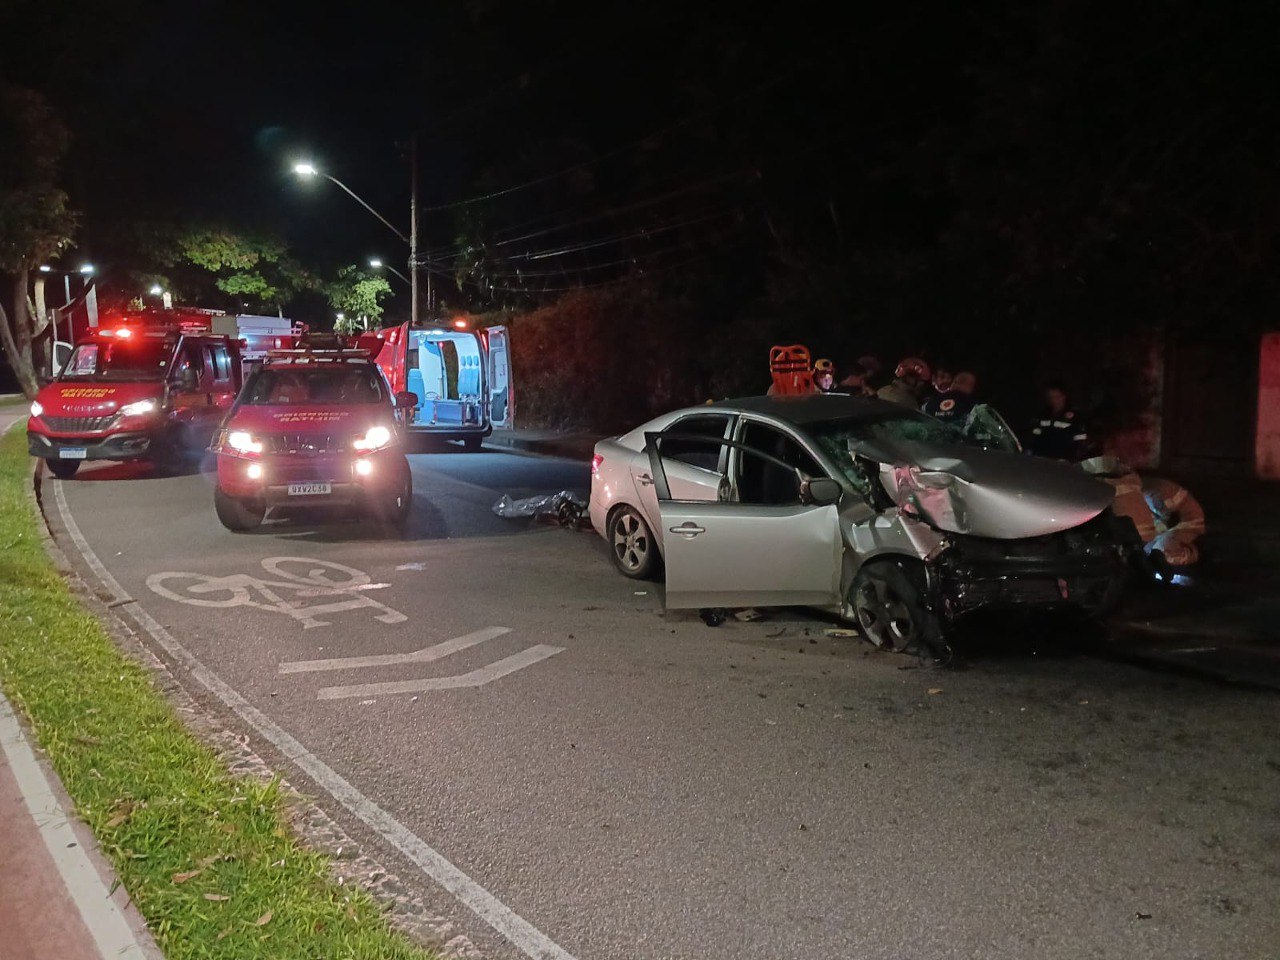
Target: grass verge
207, 857
16, 400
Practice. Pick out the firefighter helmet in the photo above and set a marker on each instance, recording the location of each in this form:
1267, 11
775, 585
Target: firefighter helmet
824, 366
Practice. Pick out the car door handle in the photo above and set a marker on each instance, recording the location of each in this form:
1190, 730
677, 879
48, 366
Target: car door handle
688, 530
645, 480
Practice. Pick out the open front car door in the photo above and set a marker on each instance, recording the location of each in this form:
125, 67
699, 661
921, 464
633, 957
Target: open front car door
731, 554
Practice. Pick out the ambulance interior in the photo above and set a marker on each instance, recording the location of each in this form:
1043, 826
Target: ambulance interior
444, 371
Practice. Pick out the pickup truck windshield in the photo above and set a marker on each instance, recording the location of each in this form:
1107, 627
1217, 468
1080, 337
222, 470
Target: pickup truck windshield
119, 360
295, 386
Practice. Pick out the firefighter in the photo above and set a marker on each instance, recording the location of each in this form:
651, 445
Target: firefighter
1059, 433
907, 378
1179, 520
824, 376
953, 405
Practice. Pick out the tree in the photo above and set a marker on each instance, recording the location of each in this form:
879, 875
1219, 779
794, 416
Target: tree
36, 222
214, 262
356, 294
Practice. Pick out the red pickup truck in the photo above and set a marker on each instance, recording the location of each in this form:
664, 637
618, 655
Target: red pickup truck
152, 385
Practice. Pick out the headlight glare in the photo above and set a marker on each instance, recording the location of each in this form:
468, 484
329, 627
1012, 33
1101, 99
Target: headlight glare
36, 409
243, 442
375, 438
138, 408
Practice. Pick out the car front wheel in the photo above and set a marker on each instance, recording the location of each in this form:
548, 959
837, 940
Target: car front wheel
395, 507
892, 612
236, 514
631, 544
63, 469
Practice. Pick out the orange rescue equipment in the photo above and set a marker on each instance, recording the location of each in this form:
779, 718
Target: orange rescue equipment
792, 371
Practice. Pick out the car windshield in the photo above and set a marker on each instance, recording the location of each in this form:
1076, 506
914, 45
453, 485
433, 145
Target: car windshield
294, 386
119, 360
983, 428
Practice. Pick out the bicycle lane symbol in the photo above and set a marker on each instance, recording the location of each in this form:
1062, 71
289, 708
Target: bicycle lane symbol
336, 588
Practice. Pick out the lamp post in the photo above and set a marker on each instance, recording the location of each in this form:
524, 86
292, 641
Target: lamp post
309, 170
377, 264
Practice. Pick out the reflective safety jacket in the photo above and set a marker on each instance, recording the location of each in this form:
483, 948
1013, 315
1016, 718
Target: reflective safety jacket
1061, 436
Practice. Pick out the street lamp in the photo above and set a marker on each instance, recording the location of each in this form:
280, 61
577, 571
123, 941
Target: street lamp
377, 264
45, 268
156, 290
87, 269
304, 168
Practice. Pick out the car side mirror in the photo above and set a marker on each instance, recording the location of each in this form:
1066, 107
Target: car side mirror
820, 491
406, 400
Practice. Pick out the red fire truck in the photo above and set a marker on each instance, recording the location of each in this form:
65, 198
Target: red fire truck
460, 377
148, 385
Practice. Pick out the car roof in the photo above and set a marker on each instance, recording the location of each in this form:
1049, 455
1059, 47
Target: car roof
813, 408
300, 360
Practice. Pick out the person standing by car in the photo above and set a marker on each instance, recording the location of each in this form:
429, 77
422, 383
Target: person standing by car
907, 378
955, 404
824, 376
1059, 433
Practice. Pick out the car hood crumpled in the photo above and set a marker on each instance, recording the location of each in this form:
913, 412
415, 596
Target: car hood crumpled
986, 493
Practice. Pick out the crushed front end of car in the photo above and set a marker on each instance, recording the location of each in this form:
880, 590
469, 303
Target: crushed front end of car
1082, 568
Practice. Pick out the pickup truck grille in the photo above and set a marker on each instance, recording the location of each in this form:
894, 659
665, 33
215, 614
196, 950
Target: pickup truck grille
77, 424
306, 444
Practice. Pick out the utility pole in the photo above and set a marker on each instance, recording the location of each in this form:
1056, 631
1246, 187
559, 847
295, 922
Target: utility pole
413, 230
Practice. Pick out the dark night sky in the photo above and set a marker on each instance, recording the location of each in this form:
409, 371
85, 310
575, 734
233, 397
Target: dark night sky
904, 139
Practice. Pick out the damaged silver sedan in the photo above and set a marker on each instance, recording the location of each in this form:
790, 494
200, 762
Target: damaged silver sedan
895, 520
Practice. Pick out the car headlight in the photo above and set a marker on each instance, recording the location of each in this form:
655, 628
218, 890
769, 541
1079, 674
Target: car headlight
375, 438
138, 408
933, 479
36, 409
243, 442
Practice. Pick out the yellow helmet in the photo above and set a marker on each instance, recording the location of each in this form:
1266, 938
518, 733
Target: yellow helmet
824, 366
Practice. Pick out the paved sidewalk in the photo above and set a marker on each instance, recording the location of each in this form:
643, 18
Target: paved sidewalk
58, 896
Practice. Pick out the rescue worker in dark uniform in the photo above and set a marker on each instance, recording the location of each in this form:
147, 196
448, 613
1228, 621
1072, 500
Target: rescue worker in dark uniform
954, 404
1059, 433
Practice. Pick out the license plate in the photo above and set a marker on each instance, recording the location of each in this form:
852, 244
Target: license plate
309, 489
73, 453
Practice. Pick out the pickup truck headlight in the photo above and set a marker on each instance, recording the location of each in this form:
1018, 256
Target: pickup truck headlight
36, 409
375, 438
138, 408
243, 442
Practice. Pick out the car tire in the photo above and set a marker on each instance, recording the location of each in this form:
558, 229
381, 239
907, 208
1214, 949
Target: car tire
236, 514
63, 469
889, 604
631, 544
171, 454
472, 444
395, 509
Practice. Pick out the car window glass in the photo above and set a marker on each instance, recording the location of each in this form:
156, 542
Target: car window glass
985, 427
284, 386
697, 453
220, 362
762, 481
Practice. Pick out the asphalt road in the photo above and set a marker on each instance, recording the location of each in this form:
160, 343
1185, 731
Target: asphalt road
637, 785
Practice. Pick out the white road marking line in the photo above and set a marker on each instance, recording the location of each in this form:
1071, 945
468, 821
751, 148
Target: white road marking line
425, 655
527, 938
476, 678
105, 922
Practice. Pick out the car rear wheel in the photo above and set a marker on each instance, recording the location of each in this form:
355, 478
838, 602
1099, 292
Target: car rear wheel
631, 544
892, 613
63, 469
472, 444
236, 514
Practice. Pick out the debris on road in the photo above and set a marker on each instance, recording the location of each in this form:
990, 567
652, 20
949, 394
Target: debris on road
838, 633
749, 615
934, 691
565, 508
713, 616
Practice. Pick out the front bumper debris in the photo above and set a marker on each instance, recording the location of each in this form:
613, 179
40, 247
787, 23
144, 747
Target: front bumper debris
1084, 568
